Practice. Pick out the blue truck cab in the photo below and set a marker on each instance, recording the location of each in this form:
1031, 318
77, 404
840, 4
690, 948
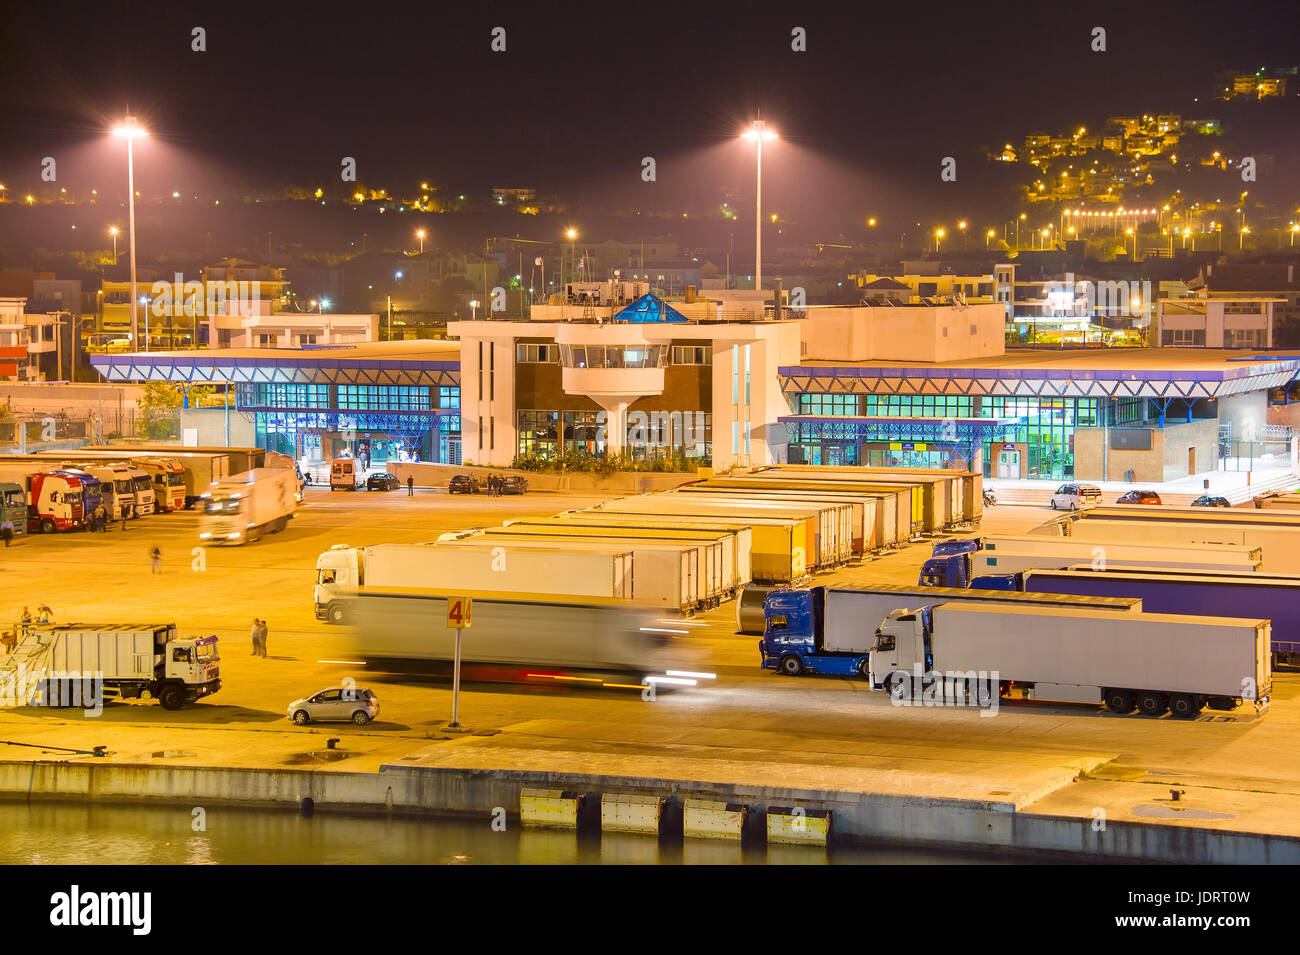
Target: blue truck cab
950, 563
794, 636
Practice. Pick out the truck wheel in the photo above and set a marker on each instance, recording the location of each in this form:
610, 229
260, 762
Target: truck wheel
864, 670
48, 526
338, 613
171, 697
361, 717
1152, 703
1119, 701
1184, 706
301, 718
791, 665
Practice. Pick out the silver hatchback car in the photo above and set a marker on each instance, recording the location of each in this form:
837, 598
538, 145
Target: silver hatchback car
336, 703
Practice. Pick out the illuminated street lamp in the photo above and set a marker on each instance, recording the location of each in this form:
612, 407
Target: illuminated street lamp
474, 308
113, 231
988, 236
962, 227
758, 132
130, 129
1241, 239
938, 237
572, 233
419, 234
1294, 230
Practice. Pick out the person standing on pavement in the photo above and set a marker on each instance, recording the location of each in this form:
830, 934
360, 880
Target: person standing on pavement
7, 530
126, 512
263, 631
257, 636
155, 559
410, 486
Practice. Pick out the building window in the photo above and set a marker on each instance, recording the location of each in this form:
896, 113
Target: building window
449, 396
266, 340
828, 405
383, 398
692, 355
1183, 336
584, 431
1243, 338
537, 354
539, 432
307, 339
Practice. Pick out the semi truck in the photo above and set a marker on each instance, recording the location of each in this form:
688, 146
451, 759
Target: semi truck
133, 662
519, 637
956, 562
243, 507
663, 573
1276, 598
342, 569
1274, 532
56, 499
116, 489
165, 472
1155, 662
831, 630
13, 506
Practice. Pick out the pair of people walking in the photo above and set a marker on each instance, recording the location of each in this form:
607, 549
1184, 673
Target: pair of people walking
259, 637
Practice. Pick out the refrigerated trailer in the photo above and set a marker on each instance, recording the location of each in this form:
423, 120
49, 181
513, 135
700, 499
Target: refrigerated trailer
1154, 661
243, 507
834, 520
830, 630
1276, 598
875, 520
744, 533
663, 573
341, 569
1276, 536
532, 638
945, 495
715, 565
784, 549
967, 487
955, 563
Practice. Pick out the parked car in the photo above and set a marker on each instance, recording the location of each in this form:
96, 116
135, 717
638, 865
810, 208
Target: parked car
1071, 497
514, 484
382, 481
1139, 497
463, 484
1206, 500
336, 703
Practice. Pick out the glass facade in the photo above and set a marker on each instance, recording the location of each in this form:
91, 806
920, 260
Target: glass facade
614, 356
539, 432
383, 398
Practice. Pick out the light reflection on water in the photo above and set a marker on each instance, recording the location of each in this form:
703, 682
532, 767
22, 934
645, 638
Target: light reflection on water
58, 833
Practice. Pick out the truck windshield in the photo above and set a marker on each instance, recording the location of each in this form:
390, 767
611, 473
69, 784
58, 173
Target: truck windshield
207, 651
222, 505
142, 482
175, 480
122, 487
13, 498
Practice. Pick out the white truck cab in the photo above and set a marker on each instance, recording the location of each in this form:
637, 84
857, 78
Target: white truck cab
900, 645
337, 568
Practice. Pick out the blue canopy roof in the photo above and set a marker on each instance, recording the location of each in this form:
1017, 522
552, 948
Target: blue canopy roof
648, 308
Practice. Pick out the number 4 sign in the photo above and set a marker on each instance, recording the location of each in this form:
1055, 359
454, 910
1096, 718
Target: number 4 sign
460, 613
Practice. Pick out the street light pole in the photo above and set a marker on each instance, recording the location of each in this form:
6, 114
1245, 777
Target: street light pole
758, 132
130, 128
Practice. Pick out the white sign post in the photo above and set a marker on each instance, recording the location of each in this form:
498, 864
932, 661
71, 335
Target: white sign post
459, 618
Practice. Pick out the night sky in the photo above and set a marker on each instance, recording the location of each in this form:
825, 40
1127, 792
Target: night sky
584, 91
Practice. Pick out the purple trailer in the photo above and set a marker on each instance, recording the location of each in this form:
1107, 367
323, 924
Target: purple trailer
1212, 595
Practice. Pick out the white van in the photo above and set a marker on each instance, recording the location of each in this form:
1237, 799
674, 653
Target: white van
1072, 497
343, 474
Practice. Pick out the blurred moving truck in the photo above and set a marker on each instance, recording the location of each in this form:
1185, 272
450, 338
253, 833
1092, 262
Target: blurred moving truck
243, 507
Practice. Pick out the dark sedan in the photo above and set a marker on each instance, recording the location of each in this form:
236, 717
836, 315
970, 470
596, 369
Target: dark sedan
514, 484
1206, 500
382, 482
1139, 497
463, 484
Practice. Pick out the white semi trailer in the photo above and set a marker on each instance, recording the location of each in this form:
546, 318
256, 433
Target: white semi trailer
483, 568
1155, 662
245, 506
662, 573
1007, 554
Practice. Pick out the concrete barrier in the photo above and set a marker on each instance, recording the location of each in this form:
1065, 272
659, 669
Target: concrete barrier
875, 818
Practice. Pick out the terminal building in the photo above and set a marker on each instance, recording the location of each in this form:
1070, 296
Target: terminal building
733, 381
